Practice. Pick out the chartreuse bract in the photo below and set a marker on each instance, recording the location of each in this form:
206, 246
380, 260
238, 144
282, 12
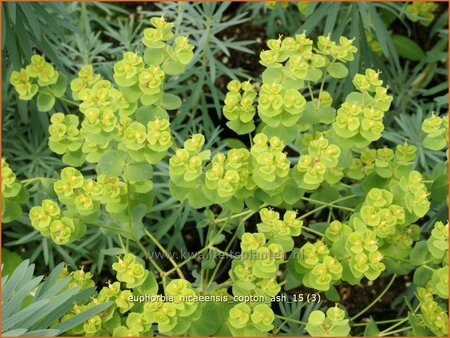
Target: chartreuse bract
309, 155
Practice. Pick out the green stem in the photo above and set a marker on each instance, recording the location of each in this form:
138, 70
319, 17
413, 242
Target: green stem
310, 91
186, 261
324, 76
376, 299
395, 331
216, 269
164, 251
223, 252
379, 322
224, 284
34, 179
131, 234
121, 243
224, 219
325, 205
107, 227
428, 267
288, 319
394, 326
318, 233
332, 204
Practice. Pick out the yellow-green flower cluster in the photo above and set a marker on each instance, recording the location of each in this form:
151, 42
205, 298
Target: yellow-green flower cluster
436, 128
410, 191
129, 271
269, 164
318, 268
64, 133
399, 245
380, 214
439, 282
318, 164
167, 314
86, 78
343, 51
147, 143
127, 71
421, 11
384, 161
360, 117
278, 105
280, 231
73, 190
228, 176
13, 194
373, 42
24, 80
438, 242
333, 324
239, 107
256, 270
172, 59
115, 117
250, 319
434, 315
155, 37
81, 279
186, 166
51, 222
272, 4
114, 193
366, 259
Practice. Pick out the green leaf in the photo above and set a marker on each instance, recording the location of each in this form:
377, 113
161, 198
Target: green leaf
172, 67
419, 253
154, 56
421, 276
146, 114
439, 188
332, 294
11, 260
208, 325
337, 70
138, 172
234, 143
137, 215
110, 164
171, 102
45, 102
371, 329
148, 100
59, 88
271, 75
241, 128
150, 286
74, 158
373, 181
408, 48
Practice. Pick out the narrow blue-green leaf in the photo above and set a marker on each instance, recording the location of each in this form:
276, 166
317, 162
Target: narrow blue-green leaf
81, 317
24, 314
14, 304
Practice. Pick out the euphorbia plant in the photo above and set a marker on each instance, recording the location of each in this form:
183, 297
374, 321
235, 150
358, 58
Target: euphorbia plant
307, 152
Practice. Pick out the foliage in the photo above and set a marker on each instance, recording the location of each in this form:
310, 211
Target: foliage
32, 307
